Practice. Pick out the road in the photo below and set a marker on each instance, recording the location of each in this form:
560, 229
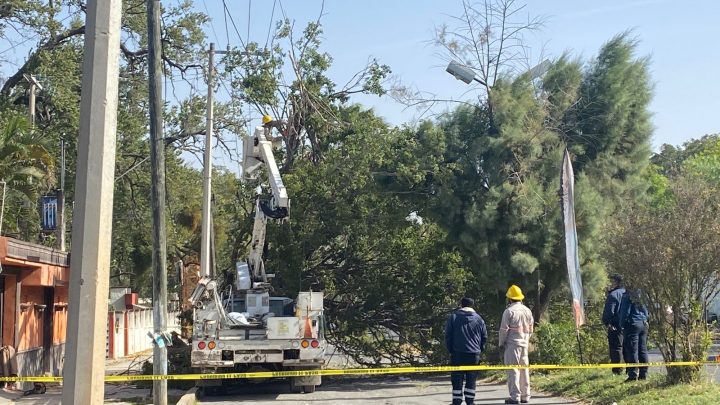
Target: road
712, 372
390, 390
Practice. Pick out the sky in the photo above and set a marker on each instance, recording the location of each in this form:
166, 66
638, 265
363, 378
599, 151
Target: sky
681, 41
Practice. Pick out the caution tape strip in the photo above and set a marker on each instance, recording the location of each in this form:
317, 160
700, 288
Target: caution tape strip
362, 371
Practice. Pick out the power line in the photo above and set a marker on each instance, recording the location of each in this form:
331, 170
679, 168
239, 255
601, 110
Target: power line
227, 32
272, 17
211, 21
34, 36
232, 20
248, 22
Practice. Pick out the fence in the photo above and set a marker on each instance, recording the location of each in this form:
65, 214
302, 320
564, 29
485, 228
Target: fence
127, 331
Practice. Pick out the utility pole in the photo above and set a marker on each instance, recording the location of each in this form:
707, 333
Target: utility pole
207, 171
84, 369
157, 167
61, 199
34, 84
206, 258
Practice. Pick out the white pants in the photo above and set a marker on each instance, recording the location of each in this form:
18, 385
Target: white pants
518, 379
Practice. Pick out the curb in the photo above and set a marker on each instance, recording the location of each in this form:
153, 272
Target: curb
189, 397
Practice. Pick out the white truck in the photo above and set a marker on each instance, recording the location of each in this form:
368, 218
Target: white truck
243, 328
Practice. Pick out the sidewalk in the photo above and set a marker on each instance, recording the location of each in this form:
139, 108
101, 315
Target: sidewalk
119, 393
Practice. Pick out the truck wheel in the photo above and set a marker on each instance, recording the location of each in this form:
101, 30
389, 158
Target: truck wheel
294, 388
309, 389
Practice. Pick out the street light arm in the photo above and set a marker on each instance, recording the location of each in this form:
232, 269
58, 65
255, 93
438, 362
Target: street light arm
480, 81
464, 73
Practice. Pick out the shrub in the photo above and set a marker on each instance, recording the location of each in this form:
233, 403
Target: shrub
556, 342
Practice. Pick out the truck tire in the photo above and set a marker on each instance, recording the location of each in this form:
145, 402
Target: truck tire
309, 389
294, 388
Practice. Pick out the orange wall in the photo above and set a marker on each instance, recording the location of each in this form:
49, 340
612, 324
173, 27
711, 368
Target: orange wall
8, 327
60, 314
45, 275
31, 320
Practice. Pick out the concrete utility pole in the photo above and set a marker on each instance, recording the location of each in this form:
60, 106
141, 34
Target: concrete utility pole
207, 260
92, 223
207, 171
34, 85
62, 230
157, 167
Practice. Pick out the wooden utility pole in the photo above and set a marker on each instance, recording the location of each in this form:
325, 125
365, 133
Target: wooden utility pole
84, 369
157, 167
207, 171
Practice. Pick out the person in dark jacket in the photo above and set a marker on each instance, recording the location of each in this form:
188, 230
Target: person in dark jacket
633, 318
611, 320
465, 339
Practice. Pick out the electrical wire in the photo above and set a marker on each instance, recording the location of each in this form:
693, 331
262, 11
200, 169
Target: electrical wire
272, 17
212, 26
248, 22
227, 32
232, 21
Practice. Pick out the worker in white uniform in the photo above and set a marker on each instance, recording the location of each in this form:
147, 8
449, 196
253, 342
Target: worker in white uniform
515, 330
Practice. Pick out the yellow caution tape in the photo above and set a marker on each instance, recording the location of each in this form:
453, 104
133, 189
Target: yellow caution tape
362, 371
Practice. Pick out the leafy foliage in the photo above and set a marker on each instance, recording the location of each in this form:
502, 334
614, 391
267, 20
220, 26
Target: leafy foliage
677, 245
496, 191
26, 169
289, 81
556, 341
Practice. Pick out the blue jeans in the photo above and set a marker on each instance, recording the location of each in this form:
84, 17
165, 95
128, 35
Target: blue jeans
635, 348
457, 377
615, 343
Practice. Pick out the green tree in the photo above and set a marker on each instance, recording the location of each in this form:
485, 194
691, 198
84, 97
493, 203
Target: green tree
288, 80
389, 281
677, 246
671, 159
26, 169
496, 193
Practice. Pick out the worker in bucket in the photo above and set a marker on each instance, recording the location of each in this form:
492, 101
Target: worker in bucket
465, 339
611, 320
515, 330
268, 124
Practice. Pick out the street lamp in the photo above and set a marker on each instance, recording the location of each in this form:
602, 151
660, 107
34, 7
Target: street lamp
467, 75
463, 73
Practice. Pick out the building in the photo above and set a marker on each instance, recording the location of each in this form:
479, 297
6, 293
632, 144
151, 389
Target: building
34, 305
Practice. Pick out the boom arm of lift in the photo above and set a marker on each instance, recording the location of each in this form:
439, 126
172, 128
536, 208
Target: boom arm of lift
258, 152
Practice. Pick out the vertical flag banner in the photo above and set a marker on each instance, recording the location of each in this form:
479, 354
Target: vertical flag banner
49, 212
567, 190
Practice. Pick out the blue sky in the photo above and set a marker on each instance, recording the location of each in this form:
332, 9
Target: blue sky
681, 40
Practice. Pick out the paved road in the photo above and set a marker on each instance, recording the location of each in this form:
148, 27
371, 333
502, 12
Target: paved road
386, 391
712, 372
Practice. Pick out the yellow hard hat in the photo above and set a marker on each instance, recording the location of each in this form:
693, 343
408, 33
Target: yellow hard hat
266, 118
515, 293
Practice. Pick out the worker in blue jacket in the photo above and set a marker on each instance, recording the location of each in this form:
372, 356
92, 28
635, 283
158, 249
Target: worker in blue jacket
634, 321
465, 339
611, 320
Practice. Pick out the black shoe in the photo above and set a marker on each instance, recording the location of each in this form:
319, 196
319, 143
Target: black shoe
631, 379
524, 401
642, 377
511, 401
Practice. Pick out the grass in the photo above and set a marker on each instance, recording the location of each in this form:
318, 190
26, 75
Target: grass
601, 387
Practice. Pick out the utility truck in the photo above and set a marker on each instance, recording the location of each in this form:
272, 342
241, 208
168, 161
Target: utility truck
243, 327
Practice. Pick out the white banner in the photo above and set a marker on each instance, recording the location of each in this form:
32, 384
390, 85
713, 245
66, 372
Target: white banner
567, 188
